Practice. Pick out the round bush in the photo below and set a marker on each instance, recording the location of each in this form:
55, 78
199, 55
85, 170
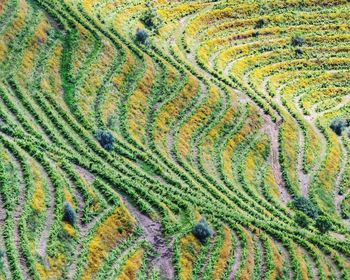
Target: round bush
202, 231
339, 125
142, 36
69, 214
106, 139
298, 41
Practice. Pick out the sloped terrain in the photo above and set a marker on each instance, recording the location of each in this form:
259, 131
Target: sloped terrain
235, 112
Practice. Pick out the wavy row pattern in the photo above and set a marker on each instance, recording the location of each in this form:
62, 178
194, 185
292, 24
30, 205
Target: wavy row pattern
223, 114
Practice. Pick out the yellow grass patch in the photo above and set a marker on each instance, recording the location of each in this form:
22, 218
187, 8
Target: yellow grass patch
171, 110
116, 227
247, 271
138, 105
190, 247
132, 266
54, 270
277, 259
199, 119
69, 229
224, 253
38, 202
303, 266
3, 51
271, 183
68, 197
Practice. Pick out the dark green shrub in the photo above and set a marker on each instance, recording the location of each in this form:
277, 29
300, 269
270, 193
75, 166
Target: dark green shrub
260, 23
338, 125
106, 139
298, 41
2, 254
306, 206
69, 214
202, 231
324, 224
142, 36
302, 219
299, 52
151, 19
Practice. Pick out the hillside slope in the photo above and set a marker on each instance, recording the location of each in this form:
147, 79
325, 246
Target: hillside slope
123, 124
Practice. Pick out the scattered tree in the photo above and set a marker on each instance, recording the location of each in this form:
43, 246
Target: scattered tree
202, 231
260, 23
69, 214
298, 41
299, 52
306, 206
106, 139
151, 18
142, 36
338, 125
324, 224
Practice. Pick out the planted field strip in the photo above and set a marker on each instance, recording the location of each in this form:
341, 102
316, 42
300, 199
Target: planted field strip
218, 110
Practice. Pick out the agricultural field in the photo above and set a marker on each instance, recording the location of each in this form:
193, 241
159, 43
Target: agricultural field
172, 139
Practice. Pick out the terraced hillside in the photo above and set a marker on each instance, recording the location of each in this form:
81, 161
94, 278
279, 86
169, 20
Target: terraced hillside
123, 124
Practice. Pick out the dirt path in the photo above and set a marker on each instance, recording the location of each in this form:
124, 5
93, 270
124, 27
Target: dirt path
237, 258
18, 211
332, 265
262, 248
310, 119
312, 263
84, 229
2, 241
273, 161
286, 257
304, 178
271, 130
337, 197
42, 244
73, 267
88, 176
205, 262
153, 234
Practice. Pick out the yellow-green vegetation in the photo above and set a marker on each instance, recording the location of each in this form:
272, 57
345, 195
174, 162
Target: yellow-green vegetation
174, 139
